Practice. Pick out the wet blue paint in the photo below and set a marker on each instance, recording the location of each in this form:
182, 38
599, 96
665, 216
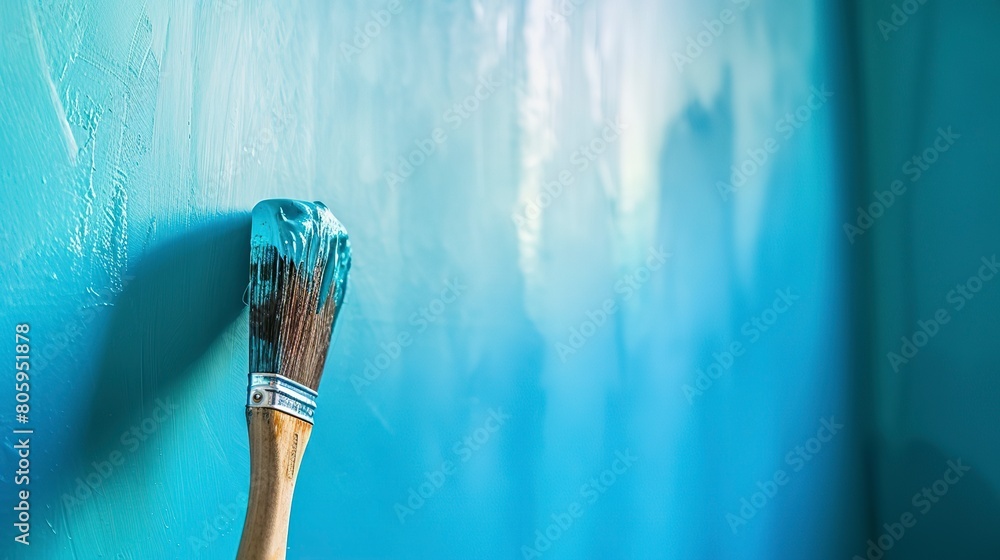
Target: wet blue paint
469, 277
306, 234
135, 138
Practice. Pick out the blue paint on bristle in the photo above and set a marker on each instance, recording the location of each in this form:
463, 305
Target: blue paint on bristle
306, 234
300, 257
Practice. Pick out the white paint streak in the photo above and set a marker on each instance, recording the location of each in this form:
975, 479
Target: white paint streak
378, 415
71, 147
538, 137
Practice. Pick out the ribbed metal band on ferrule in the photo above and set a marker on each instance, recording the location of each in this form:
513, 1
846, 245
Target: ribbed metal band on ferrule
270, 390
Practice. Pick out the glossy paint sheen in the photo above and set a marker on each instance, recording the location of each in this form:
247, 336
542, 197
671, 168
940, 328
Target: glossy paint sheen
305, 234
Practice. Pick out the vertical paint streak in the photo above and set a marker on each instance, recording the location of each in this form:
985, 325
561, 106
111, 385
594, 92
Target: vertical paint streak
537, 136
189, 113
57, 105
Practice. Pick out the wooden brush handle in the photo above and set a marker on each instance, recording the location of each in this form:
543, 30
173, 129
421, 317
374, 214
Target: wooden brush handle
277, 442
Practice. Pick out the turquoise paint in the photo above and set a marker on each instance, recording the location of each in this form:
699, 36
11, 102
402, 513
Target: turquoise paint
135, 138
306, 235
185, 115
937, 407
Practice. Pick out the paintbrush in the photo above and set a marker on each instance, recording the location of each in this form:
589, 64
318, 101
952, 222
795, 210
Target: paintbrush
299, 261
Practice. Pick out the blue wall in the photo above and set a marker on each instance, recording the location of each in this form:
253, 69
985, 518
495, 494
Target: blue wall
927, 93
565, 307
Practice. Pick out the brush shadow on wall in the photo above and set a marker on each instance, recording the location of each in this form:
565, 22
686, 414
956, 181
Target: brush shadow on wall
175, 304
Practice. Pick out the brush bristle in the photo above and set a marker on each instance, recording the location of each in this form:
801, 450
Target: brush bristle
300, 257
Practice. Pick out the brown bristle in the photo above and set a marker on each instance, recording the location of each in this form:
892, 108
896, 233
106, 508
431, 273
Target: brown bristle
299, 261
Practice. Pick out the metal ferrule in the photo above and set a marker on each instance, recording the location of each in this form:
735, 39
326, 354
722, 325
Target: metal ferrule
270, 390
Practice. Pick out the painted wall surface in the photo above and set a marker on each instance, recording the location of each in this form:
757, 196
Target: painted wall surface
597, 307
927, 96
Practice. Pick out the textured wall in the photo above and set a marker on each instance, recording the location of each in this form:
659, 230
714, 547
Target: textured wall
509, 173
